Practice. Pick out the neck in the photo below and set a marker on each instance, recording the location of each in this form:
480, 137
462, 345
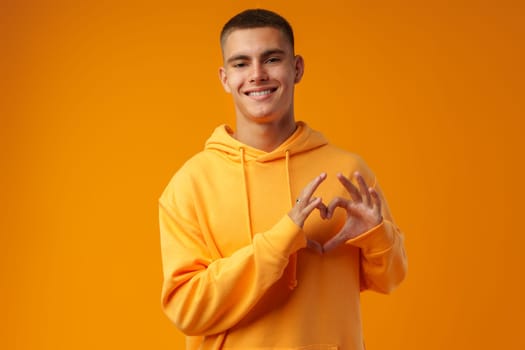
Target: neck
265, 136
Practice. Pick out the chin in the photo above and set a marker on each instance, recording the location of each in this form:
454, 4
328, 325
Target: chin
261, 116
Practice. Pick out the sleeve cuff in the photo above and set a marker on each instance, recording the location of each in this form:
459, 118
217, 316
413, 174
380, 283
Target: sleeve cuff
376, 240
286, 237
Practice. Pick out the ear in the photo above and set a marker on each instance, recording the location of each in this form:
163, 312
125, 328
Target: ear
223, 77
299, 68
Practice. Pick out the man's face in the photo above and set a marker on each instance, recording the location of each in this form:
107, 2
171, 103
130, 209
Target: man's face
260, 71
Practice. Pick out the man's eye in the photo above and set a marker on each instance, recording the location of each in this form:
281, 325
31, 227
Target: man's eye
272, 60
239, 65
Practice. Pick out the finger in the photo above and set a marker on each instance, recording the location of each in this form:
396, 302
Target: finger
317, 200
354, 193
314, 245
363, 188
304, 205
323, 210
308, 191
314, 203
307, 210
302, 210
335, 241
337, 202
377, 201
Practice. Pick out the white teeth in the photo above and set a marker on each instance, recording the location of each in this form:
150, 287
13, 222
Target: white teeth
259, 93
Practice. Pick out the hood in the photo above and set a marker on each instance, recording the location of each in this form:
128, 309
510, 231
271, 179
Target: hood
302, 140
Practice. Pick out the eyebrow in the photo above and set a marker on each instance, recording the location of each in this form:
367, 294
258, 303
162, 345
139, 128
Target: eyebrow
264, 54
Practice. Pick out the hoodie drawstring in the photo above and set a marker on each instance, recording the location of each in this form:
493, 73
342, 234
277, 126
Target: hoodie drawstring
292, 278
245, 183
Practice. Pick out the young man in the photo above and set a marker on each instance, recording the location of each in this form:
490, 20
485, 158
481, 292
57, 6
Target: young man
266, 244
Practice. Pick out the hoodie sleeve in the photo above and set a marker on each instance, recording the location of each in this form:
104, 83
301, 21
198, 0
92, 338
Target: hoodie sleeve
383, 257
203, 294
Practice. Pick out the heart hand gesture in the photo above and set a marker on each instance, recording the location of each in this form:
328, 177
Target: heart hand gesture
363, 210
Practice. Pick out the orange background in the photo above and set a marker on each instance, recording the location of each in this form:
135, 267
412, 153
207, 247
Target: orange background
101, 102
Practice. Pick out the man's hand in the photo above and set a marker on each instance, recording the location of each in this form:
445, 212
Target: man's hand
363, 211
305, 203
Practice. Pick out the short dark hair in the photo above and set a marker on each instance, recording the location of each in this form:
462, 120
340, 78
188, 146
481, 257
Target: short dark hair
258, 18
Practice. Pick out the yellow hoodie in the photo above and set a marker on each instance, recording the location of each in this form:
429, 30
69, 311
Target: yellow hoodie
237, 273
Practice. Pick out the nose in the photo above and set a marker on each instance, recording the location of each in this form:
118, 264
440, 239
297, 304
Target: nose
258, 73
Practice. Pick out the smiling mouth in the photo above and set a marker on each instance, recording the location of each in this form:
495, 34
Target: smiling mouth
261, 93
